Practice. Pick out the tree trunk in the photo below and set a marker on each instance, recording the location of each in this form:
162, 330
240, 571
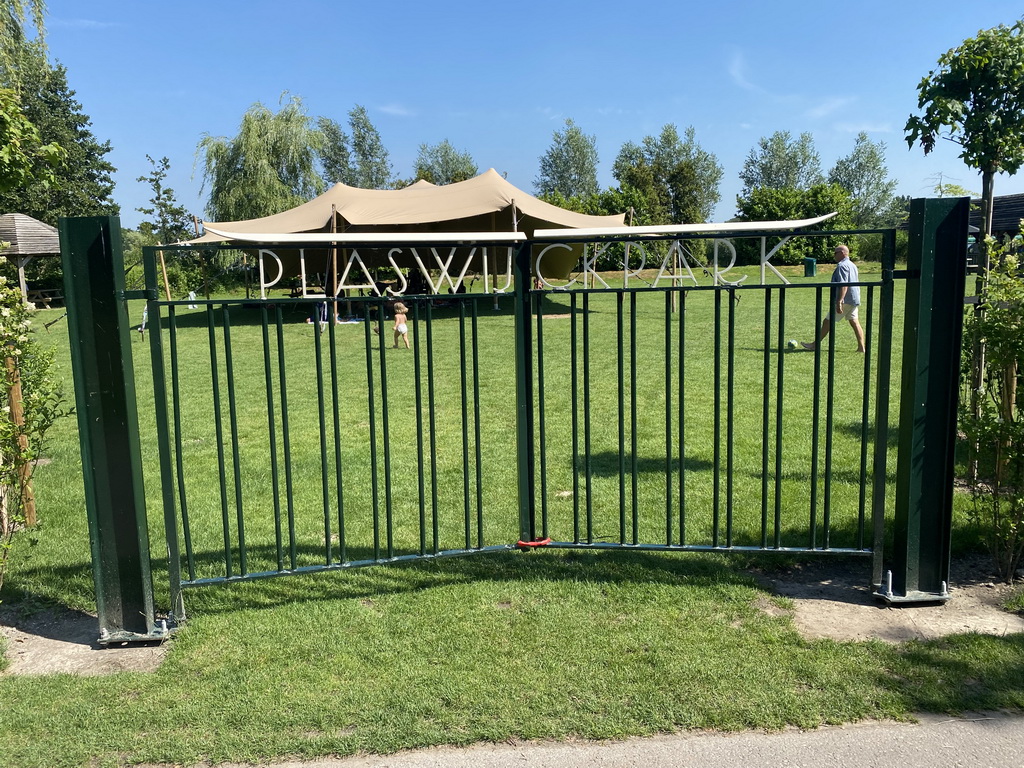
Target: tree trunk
978, 368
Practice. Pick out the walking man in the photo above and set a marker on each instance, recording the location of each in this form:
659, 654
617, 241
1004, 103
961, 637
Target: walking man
844, 299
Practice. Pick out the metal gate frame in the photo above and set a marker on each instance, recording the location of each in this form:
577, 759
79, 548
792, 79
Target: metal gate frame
918, 570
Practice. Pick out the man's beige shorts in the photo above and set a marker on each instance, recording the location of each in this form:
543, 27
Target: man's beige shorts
849, 313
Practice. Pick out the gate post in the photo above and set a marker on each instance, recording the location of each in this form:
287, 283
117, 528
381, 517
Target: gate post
524, 395
932, 334
108, 427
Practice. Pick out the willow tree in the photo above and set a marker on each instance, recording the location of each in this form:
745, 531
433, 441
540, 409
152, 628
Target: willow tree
15, 16
269, 167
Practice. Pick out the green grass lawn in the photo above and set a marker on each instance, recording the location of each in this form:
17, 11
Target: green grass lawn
547, 644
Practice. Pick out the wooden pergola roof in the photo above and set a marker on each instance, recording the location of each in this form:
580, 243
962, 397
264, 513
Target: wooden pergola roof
28, 236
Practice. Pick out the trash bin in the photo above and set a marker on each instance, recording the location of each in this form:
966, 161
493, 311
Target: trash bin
810, 267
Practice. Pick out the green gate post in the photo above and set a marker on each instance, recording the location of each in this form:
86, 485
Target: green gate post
108, 427
932, 333
524, 394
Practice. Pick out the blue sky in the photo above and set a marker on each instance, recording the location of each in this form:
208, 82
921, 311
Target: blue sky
496, 79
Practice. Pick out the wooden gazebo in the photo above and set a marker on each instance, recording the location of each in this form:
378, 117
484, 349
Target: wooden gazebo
27, 239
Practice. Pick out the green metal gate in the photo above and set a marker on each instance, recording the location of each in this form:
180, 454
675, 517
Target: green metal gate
280, 451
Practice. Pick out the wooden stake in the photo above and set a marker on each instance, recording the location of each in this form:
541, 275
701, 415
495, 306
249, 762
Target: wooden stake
163, 268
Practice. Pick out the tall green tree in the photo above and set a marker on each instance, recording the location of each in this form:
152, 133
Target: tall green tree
268, 167
569, 166
359, 159
84, 184
170, 221
780, 161
443, 164
975, 98
864, 175
370, 162
787, 203
24, 159
676, 177
335, 156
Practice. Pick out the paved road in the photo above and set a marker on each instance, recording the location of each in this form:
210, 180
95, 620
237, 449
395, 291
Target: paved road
986, 740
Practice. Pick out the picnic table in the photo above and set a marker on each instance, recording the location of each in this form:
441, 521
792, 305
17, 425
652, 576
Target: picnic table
42, 297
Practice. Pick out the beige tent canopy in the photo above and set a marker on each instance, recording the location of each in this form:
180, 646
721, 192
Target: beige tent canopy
485, 203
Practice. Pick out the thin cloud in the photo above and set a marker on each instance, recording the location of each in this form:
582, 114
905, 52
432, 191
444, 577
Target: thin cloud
397, 110
737, 71
81, 23
829, 106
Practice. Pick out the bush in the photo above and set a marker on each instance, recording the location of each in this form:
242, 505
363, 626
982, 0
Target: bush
991, 420
30, 401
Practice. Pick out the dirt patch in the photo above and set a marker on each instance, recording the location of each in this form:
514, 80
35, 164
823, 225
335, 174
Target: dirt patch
54, 641
832, 600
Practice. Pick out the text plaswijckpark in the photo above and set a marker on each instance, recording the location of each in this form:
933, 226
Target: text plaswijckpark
442, 268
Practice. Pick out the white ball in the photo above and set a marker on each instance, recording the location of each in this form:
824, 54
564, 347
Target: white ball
792, 344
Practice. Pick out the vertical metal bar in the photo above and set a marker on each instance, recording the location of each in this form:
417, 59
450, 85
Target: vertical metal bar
669, 299
574, 394
177, 603
621, 370
243, 563
682, 418
524, 397
338, 468
275, 480
186, 525
881, 447
541, 420
586, 418
371, 404
219, 431
321, 407
432, 419
386, 438
101, 358
476, 426
717, 439
830, 370
779, 382
765, 401
816, 416
865, 398
418, 382
286, 440
464, 400
730, 417
634, 484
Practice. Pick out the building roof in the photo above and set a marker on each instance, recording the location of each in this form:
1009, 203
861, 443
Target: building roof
28, 236
1007, 212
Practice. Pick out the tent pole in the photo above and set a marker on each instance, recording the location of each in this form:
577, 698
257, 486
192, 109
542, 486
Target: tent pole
334, 263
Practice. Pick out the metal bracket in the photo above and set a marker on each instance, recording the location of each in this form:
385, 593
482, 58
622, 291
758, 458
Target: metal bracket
911, 597
160, 632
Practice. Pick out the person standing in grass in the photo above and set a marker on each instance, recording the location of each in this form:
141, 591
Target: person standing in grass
844, 299
401, 324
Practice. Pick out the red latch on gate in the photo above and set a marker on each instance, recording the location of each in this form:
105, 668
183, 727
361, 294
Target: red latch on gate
535, 543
